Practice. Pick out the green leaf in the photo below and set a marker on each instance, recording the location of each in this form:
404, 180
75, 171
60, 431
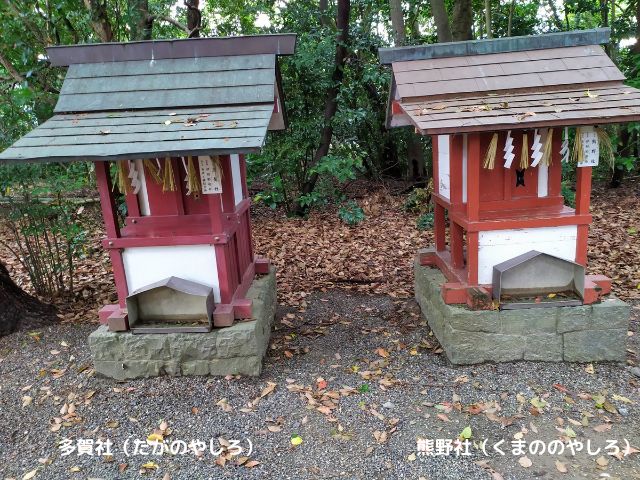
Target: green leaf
538, 403
466, 433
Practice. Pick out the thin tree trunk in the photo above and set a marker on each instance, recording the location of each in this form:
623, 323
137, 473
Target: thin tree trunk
325, 20
397, 22
554, 15
331, 101
442, 20
415, 153
487, 18
100, 19
510, 18
462, 21
194, 18
142, 26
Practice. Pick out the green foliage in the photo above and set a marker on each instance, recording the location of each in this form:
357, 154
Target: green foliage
418, 201
47, 239
364, 388
351, 213
425, 221
569, 194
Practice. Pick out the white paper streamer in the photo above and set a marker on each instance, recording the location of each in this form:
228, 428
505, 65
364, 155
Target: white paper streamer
536, 156
564, 151
508, 151
134, 175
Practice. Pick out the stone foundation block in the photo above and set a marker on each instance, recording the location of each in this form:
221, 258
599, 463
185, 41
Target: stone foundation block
584, 333
234, 350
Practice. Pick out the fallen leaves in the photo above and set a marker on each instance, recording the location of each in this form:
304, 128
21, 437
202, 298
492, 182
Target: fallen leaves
296, 440
382, 352
561, 467
525, 462
30, 475
525, 115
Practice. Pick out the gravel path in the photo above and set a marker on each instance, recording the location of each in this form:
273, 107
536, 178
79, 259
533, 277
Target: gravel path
403, 390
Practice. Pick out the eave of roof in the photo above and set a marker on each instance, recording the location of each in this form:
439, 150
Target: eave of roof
141, 134
517, 110
495, 45
281, 44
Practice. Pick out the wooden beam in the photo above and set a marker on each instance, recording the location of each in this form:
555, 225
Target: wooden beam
107, 201
473, 177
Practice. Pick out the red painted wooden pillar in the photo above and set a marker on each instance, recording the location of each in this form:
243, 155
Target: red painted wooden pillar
473, 177
110, 217
435, 163
228, 198
245, 195
439, 227
583, 199
456, 238
555, 169
455, 168
473, 204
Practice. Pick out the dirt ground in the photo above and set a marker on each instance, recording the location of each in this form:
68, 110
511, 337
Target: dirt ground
359, 379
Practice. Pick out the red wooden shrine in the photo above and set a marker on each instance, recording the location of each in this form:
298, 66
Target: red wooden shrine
175, 118
476, 200
479, 101
175, 219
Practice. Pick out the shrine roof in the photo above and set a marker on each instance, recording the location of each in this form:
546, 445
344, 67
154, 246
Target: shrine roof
161, 98
507, 83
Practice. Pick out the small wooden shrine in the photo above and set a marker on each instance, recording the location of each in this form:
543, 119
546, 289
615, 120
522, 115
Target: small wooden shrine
169, 123
504, 115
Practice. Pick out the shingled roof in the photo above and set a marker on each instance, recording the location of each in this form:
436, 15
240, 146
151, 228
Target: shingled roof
499, 84
162, 98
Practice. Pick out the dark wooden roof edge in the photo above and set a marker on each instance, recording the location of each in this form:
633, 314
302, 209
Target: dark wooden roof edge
151, 154
280, 44
574, 38
529, 125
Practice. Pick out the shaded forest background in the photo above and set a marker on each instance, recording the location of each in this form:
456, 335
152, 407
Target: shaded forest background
336, 100
336, 91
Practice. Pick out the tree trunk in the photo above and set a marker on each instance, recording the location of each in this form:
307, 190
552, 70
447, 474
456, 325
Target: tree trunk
18, 307
397, 22
462, 21
142, 24
194, 18
512, 7
442, 20
100, 20
331, 101
554, 15
325, 21
487, 18
415, 154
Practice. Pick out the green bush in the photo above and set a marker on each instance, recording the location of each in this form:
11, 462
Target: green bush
47, 230
351, 213
568, 194
425, 221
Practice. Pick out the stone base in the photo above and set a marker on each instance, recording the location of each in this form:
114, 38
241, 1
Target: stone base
235, 350
584, 333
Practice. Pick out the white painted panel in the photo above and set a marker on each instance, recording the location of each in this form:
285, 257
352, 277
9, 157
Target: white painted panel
497, 246
143, 196
465, 156
145, 265
237, 178
444, 168
543, 180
